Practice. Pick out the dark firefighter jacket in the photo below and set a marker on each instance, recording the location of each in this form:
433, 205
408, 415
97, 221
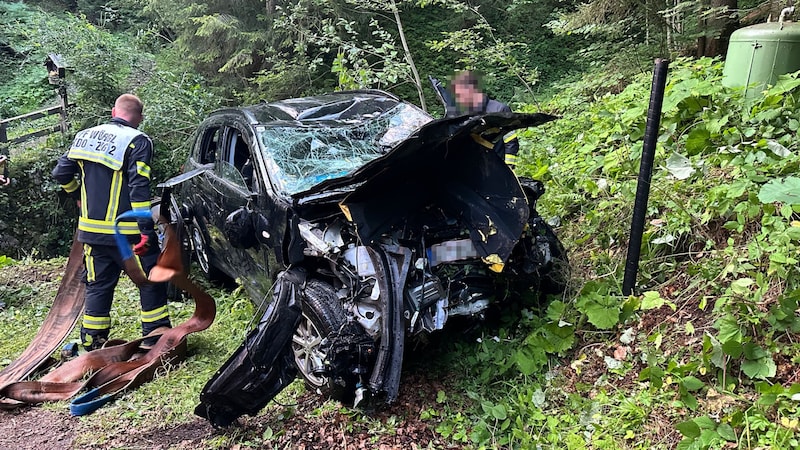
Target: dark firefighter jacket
509, 146
110, 165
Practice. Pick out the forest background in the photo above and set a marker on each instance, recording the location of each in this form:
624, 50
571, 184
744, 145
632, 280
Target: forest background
704, 356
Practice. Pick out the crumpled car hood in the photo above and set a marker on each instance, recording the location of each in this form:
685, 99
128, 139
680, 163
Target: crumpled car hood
447, 163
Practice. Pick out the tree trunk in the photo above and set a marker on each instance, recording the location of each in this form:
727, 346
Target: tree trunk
407, 51
719, 28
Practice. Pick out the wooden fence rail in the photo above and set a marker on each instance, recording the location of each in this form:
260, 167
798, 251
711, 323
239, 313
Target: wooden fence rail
62, 125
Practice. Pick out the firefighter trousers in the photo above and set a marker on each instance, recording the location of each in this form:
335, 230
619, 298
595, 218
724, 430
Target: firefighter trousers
103, 266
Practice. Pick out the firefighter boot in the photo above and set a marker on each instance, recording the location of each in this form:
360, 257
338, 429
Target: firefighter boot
92, 341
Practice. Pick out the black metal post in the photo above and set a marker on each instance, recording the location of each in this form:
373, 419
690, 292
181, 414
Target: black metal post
645, 174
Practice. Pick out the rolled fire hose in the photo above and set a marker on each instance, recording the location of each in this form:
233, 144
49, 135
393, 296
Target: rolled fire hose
116, 368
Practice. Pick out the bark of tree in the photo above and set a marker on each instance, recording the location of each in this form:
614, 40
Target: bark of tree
407, 51
718, 29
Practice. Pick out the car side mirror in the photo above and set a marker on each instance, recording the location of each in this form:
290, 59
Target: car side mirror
239, 229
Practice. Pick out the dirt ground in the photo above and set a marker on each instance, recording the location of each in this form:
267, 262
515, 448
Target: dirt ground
37, 428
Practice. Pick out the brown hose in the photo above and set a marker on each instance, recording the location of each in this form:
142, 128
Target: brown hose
115, 368
60, 320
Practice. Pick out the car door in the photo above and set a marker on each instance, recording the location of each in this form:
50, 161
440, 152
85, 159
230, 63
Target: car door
237, 187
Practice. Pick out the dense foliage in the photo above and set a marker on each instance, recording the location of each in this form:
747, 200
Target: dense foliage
720, 248
102, 65
36, 219
252, 50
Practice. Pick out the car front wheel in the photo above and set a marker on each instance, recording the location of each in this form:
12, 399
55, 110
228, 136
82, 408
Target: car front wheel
322, 315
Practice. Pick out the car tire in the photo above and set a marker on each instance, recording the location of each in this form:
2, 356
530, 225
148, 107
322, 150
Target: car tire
322, 315
174, 293
202, 255
554, 278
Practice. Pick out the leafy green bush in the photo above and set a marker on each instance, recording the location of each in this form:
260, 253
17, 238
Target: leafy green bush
175, 103
103, 65
721, 243
24, 79
37, 219
100, 63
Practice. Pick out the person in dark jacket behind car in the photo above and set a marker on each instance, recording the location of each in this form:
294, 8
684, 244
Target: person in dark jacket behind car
107, 170
470, 99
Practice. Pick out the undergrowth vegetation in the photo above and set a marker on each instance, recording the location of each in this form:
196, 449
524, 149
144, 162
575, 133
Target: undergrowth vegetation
710, 344
704, 356
101, 66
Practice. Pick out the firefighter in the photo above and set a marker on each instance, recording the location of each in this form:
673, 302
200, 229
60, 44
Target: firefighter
470, 99
107, 170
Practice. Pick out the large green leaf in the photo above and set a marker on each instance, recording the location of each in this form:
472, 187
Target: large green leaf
602, 311
741, 286
559, 338
651, 300
680, 166
697, 141
786, 83
529, 362
753, 351
603, 318
497, 411
759, 368
729, 329
678, 93
692, 383
778, 149
726, 432
689, 429
784, 190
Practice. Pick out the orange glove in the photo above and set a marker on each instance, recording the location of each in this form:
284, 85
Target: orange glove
141, 248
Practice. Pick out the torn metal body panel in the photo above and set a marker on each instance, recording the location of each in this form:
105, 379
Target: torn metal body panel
394, 262
262, 366
398, 221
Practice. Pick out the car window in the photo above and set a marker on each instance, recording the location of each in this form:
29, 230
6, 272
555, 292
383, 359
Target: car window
228, 172
208, 144
234, 163
301, 157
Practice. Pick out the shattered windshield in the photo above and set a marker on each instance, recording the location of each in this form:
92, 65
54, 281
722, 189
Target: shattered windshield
301, 157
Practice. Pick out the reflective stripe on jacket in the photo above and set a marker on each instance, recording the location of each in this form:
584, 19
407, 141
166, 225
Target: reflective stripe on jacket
510, 144
112, 165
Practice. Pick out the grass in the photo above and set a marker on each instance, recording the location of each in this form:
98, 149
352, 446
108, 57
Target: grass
177, 388
464, 400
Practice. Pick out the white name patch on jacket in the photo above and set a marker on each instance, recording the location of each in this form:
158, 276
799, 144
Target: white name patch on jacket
104, 144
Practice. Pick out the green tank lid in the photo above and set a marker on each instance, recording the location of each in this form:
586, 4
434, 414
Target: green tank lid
758, 54
770, 32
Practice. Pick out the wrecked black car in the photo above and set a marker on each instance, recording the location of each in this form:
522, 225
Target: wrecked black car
356, 221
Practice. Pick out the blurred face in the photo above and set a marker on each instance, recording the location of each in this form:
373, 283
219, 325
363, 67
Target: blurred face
467, 96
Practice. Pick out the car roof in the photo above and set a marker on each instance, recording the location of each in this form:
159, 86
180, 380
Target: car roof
341, 107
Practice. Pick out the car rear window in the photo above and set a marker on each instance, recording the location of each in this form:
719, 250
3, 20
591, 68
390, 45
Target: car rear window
303, 156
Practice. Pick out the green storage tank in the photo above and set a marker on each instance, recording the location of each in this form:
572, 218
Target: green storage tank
759, 53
